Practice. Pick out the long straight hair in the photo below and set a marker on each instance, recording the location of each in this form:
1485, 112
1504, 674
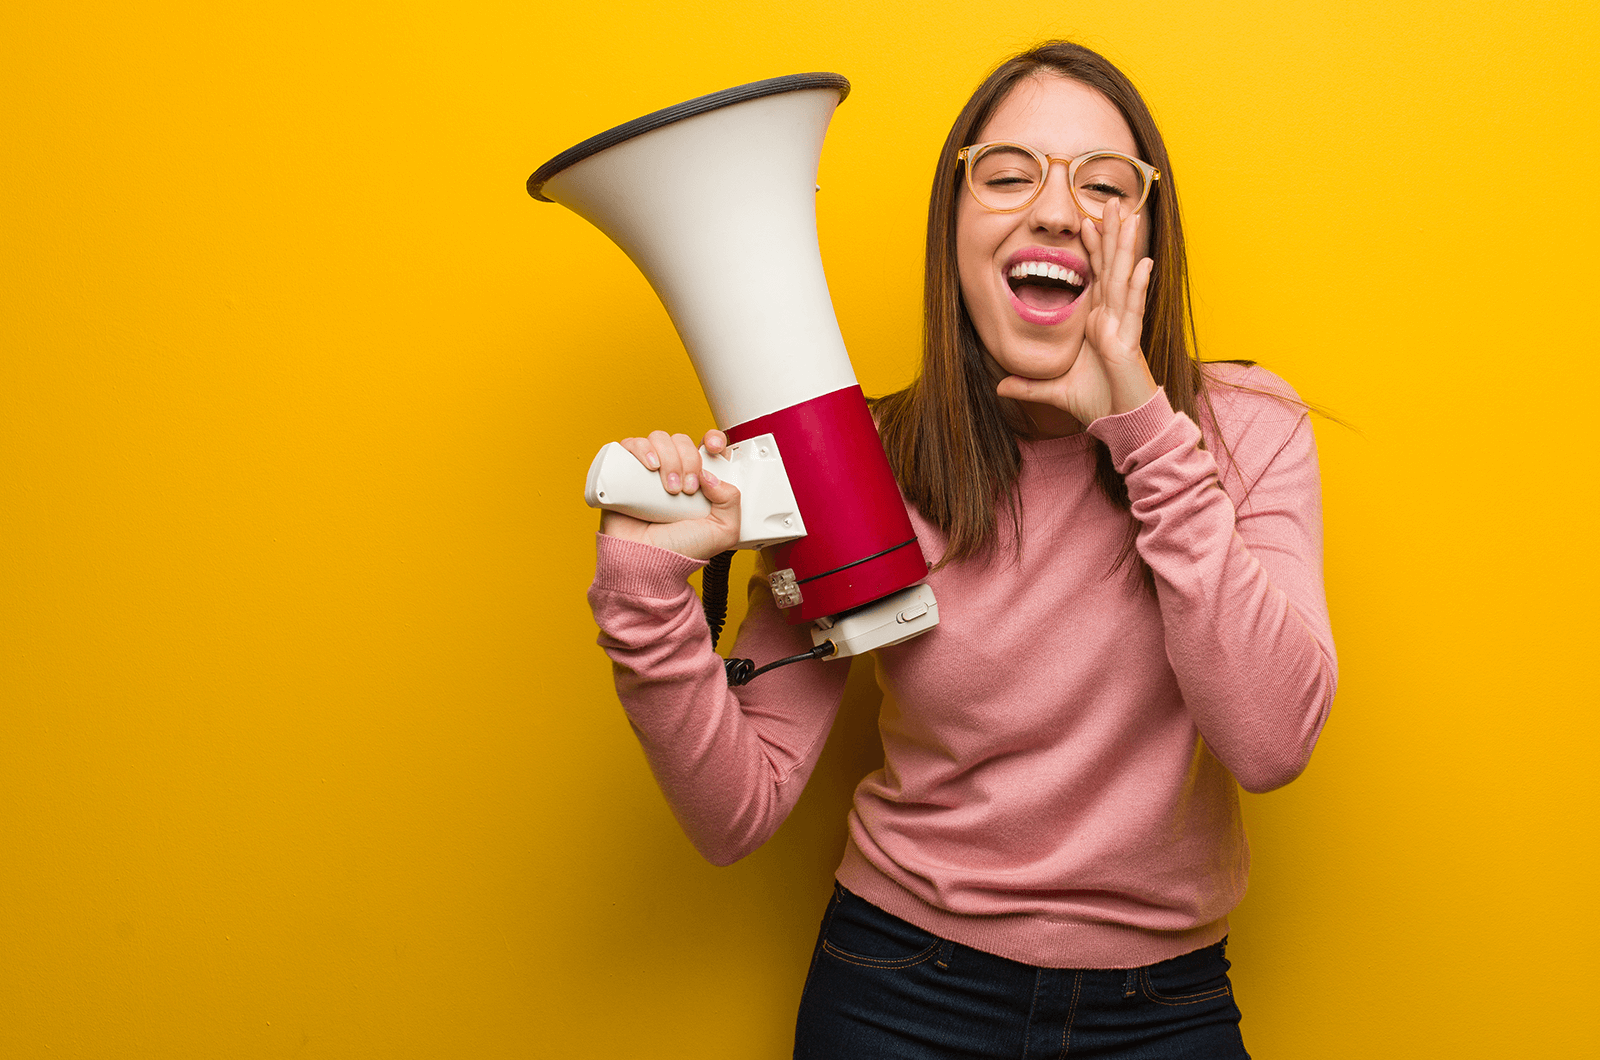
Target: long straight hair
948, 435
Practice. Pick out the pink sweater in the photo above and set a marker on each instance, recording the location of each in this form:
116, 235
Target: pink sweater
1063, 752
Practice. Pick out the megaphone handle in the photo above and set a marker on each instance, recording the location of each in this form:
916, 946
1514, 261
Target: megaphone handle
619, 483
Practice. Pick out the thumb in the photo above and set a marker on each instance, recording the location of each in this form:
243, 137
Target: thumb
724, 497
1021, 388
719, 493
703, 538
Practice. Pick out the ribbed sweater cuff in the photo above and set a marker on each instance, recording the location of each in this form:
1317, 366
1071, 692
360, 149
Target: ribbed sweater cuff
637, 569
1126, 432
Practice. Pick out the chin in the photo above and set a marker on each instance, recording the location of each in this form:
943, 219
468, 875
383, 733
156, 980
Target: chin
1038, 360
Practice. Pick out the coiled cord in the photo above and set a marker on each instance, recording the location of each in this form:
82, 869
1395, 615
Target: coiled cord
714, 593
743, 671
714, 598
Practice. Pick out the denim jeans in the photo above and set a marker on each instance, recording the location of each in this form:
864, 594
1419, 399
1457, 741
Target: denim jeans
881, 989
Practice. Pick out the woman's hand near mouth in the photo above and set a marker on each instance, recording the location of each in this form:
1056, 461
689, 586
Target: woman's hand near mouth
1109, 375
675, 456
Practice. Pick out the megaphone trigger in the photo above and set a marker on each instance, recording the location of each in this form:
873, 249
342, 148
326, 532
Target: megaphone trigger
768, 514
619, 483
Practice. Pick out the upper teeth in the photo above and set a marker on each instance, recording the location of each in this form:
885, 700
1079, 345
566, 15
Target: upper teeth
1045, 268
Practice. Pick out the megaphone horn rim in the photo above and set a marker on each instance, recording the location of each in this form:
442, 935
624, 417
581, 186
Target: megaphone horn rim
772, 86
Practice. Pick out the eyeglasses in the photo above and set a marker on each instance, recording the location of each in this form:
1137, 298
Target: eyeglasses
1005, 177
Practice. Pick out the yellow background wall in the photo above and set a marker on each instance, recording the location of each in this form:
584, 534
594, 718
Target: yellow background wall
305, 745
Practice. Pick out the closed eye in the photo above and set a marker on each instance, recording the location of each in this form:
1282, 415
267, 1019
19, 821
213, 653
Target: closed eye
1105, 189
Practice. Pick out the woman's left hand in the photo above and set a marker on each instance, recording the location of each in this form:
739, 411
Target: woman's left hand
1110, 374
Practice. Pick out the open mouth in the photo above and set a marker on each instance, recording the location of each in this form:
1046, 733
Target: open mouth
1045, 286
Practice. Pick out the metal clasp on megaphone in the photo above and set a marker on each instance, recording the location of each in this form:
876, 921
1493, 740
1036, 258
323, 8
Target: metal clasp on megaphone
768, 514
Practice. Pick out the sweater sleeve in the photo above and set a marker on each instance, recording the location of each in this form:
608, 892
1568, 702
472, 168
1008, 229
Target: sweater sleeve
731, 762
1237, 561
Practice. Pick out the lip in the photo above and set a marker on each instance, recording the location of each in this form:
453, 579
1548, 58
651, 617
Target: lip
1054, 257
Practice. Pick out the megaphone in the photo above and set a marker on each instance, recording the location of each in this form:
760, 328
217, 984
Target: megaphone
715, 201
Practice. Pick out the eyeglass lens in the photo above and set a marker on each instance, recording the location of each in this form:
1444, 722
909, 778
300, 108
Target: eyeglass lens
1005, 178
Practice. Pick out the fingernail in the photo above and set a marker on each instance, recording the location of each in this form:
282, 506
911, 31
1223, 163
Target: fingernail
719, 438
690, 484
672, 482
710, 479
652, 462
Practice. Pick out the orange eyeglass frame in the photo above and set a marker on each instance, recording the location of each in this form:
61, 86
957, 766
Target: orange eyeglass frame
1150, 174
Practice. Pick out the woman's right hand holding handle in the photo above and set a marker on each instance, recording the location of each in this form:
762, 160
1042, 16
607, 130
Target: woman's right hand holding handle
678, 461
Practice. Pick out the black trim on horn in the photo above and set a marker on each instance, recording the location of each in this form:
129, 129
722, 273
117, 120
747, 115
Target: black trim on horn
700, 105
857, 563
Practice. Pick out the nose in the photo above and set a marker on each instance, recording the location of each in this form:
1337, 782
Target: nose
1055, 210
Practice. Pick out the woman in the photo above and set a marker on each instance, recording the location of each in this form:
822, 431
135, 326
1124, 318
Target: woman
1127, 556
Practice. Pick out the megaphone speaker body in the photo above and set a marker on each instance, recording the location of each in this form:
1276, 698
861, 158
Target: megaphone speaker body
715, 201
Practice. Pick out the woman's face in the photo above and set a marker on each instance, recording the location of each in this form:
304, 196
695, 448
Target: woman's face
1035, 329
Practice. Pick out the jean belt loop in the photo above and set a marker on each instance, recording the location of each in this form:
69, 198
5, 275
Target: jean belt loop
1129, 985
945, 951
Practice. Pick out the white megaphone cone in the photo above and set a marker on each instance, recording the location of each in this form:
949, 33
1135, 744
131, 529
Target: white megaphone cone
714, 200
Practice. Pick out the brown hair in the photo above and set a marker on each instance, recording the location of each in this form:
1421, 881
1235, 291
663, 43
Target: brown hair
948, 435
